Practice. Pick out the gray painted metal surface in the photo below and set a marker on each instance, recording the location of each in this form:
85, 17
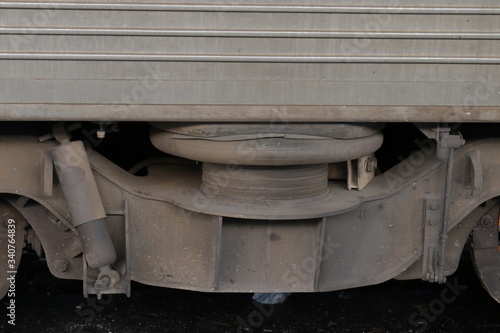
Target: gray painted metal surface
172, 60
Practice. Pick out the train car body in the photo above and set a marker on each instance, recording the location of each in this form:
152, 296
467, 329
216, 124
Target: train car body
300, 146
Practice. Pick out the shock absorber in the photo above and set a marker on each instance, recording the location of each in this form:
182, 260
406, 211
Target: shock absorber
84, 203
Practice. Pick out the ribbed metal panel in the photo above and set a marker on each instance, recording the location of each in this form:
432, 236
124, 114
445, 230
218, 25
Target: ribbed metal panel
324, 53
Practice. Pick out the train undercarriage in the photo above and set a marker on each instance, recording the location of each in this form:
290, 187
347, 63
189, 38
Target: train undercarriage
255, 207
248, 145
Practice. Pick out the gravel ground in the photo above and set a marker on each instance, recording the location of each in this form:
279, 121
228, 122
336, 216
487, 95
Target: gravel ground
46, 304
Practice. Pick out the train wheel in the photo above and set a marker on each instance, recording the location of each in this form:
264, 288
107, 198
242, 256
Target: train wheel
486, 251
11, 245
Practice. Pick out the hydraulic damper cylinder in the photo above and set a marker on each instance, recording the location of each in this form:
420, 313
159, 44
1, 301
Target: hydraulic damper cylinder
85, 205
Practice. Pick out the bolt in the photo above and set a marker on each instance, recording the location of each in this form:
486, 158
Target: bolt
102, 283
61, 266
433, 206
101, 134
432, 222
106, 281
98, 285
487, 221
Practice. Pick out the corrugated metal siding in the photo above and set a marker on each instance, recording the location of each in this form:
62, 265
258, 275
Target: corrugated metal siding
283, 53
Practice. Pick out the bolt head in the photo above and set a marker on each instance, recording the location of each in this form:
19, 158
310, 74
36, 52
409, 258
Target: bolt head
487, 221
433, 206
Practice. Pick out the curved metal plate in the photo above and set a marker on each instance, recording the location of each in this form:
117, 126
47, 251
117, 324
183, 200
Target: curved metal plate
486, 252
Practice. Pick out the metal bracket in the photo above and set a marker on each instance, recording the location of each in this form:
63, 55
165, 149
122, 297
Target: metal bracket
94, 286
360, 172
447, 141
48, 175
432, 228
428, 129
446, 145
60, 132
